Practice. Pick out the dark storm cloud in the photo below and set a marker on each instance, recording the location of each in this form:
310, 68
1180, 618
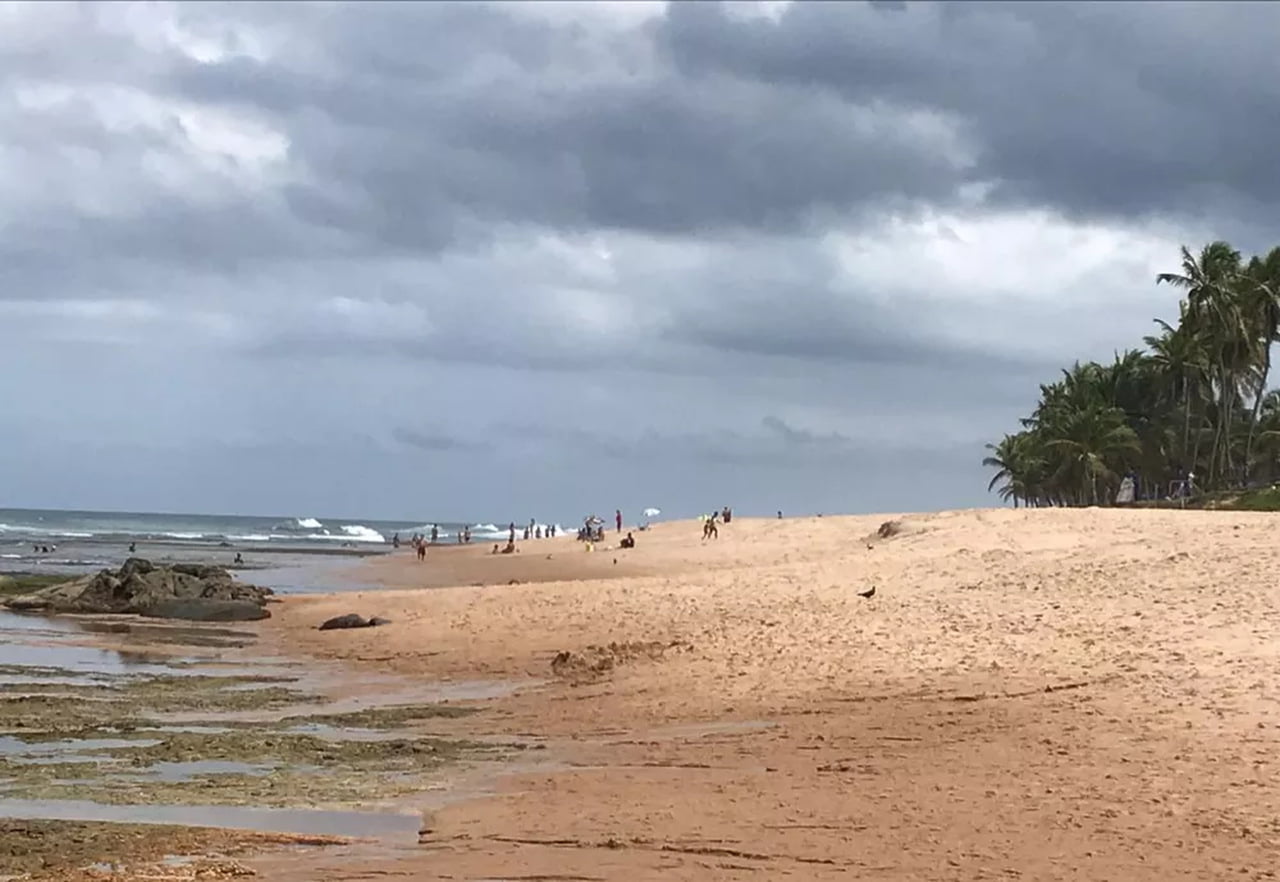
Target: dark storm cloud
1113, 109
420, 163
628, 241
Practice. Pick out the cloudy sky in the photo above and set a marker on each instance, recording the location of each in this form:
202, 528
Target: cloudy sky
494, 261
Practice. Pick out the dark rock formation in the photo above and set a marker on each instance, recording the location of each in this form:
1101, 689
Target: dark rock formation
183, 591
351, 620
208, 610
889, 529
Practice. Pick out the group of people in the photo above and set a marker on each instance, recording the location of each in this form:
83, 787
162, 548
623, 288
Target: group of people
533, 530
711, 522
592, 531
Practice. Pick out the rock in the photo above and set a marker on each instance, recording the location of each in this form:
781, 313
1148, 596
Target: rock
184, 591
889, 529
351, 620
208, 610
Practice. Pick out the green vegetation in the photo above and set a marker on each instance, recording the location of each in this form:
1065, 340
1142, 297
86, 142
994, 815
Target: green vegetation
109, 743
385, 716
1194, 400
25, 583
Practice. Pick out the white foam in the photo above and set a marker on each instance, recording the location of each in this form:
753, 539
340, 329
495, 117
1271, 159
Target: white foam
43, 531
361, 533
491, 532
251, 537
309, 523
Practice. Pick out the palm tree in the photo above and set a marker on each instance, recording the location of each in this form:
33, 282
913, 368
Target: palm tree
1181, 364
1200, 384
1095, 444
1019, 466
1262, 309
1213, 307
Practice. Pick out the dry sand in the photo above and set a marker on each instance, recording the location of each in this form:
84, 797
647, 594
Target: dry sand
1055, 694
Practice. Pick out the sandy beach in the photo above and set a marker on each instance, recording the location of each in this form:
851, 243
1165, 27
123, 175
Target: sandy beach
1047, 694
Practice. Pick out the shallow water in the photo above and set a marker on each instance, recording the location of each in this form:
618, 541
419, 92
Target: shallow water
266, 820
185, 771
82, 658
344, 733
375, 695
35, 680
10, 746
54, 646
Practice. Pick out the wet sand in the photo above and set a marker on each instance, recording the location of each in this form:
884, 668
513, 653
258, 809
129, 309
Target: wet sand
1084, 694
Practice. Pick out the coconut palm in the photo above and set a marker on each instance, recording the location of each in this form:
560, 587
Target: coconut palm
1194, 400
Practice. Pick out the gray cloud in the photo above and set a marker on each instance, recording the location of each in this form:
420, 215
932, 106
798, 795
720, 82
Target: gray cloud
1081, 108
433, 443
532, 255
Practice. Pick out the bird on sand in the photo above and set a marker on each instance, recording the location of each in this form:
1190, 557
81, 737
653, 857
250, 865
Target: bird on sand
869, 593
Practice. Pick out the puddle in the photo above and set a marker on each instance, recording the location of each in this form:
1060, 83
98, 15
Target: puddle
306, 822
10, 621
185, 771
10, 746
344, 733
83, 658
58, 759
23, 680
392, 695
180, 634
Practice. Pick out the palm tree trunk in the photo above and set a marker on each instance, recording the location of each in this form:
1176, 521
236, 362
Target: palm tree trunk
1186, 420
1195, 452
1257, 405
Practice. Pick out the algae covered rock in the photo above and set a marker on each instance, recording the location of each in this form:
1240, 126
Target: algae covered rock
195, 592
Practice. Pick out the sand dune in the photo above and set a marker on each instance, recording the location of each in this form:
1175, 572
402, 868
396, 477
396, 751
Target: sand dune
1052, 694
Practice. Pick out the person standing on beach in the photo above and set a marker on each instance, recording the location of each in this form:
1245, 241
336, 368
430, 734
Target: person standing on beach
617, 519
511, 532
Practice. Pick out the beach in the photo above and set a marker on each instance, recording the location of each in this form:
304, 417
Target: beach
1040, 694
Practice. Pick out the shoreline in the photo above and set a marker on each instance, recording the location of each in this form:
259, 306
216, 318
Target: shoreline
1013, 699
1027, 693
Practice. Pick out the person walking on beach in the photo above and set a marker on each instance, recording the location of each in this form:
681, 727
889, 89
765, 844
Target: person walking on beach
617, 519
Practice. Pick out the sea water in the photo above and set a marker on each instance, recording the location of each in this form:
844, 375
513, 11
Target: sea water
86, 541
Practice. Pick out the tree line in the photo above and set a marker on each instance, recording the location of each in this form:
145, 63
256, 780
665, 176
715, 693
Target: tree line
1192, 402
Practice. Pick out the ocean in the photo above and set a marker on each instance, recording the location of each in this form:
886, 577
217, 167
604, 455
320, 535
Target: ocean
52, 540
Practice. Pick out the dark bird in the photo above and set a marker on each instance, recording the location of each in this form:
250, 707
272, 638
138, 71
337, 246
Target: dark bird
869, 593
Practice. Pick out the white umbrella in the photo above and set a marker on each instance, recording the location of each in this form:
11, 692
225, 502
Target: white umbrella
652, 512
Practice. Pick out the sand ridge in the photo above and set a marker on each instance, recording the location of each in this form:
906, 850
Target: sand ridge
1044, 694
